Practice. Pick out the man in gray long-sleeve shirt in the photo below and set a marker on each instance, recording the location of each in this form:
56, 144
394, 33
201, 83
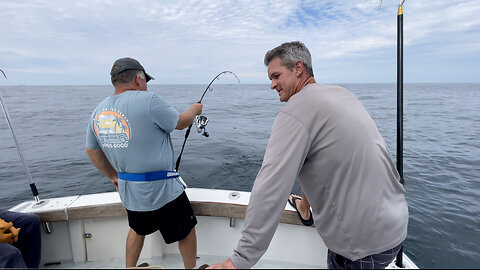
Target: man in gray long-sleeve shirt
325, 138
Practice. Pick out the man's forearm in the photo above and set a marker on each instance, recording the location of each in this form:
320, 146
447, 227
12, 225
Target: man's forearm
101, 162
185, 119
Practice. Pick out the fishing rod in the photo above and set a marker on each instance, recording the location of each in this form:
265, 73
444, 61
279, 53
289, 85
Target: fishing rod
33, 188
201, 121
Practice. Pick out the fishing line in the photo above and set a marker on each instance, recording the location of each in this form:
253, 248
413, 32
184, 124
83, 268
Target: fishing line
201, 120
33, 188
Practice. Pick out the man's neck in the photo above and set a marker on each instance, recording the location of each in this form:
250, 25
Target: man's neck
124, 88
306, 80
118, 92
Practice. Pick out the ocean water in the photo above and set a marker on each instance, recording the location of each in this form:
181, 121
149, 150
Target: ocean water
441, 151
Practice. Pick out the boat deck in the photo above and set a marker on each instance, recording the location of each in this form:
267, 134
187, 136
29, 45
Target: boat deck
174, 261
171, 261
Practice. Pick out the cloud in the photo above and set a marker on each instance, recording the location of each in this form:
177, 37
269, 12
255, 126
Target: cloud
187, 41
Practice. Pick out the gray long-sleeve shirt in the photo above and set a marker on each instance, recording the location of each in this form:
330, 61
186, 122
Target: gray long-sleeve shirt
326, 139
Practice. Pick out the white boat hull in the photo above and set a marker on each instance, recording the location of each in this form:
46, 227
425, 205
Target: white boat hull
90, 231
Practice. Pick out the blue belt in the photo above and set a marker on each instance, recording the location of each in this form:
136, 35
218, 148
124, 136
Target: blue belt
149, 176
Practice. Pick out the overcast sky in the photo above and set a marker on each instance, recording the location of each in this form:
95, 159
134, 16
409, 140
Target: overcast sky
55, 42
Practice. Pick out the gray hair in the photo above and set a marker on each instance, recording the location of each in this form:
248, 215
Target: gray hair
126, 77
289, 53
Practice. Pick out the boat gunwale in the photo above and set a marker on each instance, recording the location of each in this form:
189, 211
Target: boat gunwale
116, 209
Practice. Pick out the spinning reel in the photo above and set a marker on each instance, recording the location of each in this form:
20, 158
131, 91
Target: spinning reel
201, 122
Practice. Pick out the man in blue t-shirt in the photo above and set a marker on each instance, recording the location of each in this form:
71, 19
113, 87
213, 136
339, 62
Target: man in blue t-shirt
128, 140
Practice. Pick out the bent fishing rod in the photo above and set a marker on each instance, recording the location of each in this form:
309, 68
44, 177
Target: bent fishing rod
201, 121
33, 188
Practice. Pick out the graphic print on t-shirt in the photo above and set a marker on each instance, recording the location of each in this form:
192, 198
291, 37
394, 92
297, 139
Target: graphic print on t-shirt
112, 129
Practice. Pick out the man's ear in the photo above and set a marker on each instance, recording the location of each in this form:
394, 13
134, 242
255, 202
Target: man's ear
138, 78
299, 68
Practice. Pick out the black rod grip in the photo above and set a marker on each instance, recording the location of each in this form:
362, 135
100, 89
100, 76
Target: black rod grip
34, 190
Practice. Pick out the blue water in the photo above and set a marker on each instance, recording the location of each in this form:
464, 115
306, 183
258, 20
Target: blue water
441, 155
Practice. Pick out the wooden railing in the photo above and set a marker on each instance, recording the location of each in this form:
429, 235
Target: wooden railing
214, 209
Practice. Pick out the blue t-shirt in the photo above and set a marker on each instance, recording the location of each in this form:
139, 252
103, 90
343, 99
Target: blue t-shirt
133, 130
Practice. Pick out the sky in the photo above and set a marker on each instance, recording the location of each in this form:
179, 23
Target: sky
58, 42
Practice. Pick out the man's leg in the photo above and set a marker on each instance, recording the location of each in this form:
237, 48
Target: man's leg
176, 223
188, 249
134, 247
11, 257
29, 238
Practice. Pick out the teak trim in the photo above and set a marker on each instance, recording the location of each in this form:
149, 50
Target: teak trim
214, 209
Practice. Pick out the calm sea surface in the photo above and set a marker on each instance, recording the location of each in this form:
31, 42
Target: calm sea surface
441, 155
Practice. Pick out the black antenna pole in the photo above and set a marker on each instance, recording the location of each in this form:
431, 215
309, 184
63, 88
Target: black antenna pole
399, 261
400, 93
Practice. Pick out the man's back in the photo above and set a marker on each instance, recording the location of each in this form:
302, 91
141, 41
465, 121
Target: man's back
348, 175
133, 130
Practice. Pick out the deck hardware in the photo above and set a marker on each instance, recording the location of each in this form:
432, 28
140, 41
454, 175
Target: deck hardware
232, 222
52, 263
48, 227
87, 235
40, 204
234, 195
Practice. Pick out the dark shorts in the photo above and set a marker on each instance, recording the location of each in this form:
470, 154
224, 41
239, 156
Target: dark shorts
174, 220
375, 261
